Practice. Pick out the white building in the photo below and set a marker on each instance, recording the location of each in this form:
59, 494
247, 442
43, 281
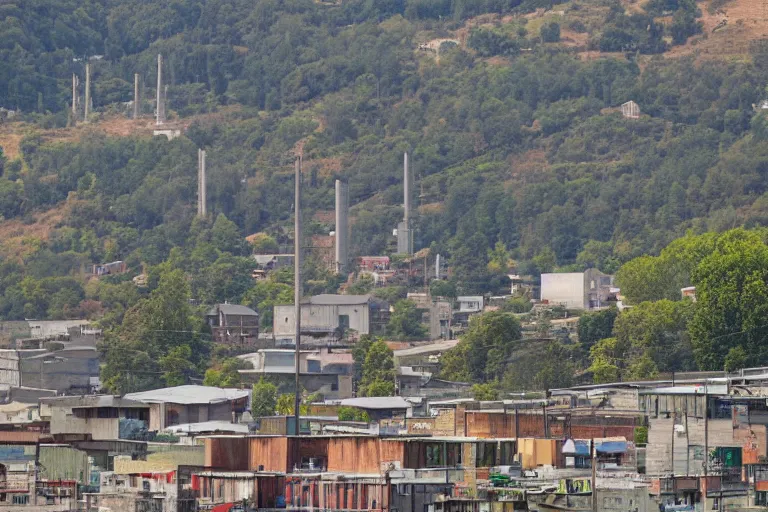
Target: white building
590, 289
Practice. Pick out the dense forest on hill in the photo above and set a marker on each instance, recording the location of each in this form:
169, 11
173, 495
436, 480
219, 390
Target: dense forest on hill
519, 152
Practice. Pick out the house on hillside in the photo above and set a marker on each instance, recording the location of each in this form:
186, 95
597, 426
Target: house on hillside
191, 404
232, 324
102, 417
630, 110
322, 371
590, 289
70, 370
329, 318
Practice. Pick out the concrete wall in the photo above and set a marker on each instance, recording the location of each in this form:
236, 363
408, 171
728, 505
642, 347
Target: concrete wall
320, 317
312, 316
359, 317
685, 455
61, 372
9, 367
64, 422
565, 288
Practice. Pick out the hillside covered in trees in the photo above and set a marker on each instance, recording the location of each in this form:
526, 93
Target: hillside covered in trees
509, 111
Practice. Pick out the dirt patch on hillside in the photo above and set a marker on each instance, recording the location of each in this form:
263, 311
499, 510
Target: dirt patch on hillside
745, 21
20, 239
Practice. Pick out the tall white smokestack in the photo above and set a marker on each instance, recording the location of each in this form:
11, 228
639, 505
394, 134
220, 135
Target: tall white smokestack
159, 101
87, 91
342, 226
136, 98
201, 184
407, 192
74, 97
404, 236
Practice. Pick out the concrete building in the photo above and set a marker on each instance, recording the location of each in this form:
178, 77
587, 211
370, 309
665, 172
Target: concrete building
232, 324
331, 317
470, 304
55, 329
69, 370
590, 289
102, 417
191, 404
322, 371
440, 320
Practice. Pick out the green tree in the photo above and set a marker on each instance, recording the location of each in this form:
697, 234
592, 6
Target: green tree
405, 321
159, 338
262, 243
352, 414
225, 374
736, 359
263, 399
656, 332
484, 349
177, 366
556, 368
731, 300
485, 392
378, 371
380, 388
606, 355
226, 237
595, 326
550, 32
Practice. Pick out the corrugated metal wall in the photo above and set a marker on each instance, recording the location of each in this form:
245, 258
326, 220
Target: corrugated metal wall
227, 453
269, 452
64, 463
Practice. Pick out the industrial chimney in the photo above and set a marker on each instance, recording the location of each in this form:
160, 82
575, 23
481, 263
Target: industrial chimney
136, 96
404, 236
160, 100
201, 186
342, 226
87, 92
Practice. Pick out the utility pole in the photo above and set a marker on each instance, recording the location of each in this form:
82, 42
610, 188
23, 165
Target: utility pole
297, 296
136, 96
594, 475
87, 91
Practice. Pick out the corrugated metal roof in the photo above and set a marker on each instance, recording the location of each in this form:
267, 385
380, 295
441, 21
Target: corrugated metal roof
190, 394
232, 309
339, 300
377, 402
208, 426
88, 401
426, 349
713, 389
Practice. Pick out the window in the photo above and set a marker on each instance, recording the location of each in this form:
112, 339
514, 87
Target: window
507, 453
106, 412
344, 322
486, 455
434, 455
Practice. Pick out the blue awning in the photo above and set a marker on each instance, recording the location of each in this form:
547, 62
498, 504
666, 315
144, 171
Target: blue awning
611, 447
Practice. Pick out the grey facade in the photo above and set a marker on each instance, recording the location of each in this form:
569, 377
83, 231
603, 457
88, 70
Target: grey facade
330, 317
